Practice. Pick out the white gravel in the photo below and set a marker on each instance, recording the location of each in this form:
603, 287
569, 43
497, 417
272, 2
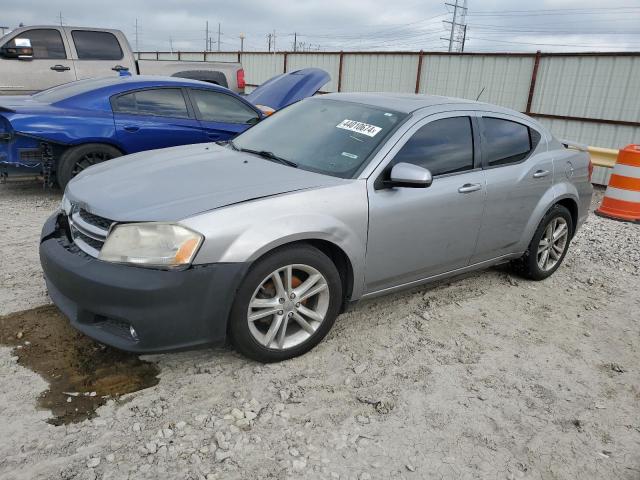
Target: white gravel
487, 376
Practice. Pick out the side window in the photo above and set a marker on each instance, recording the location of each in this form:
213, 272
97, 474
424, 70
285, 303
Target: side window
96, 45
506, 142
160, 102
442, 146
219, 107
46, 43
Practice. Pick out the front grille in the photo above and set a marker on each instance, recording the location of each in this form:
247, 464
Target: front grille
92, 242
88, 231
95, 220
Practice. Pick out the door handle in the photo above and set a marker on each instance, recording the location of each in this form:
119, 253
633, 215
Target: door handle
541, 173
469, 187
131, 128
119, 68
60, 68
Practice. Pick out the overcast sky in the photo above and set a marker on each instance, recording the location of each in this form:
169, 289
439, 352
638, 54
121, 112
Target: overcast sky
493, 25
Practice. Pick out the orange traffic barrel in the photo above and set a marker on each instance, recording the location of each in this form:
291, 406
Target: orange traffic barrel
622, 199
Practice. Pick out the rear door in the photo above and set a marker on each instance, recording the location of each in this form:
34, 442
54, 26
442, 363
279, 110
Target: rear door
99, 53
155, 118
222, 115
51, 64
416, 233
519, 170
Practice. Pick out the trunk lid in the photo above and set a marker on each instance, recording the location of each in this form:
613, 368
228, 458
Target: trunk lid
283, 90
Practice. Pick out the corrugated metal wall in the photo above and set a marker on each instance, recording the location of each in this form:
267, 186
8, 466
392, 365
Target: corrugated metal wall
329, 62
379, 73
260, 67
573, 87
502, 80
605, 87
593, 133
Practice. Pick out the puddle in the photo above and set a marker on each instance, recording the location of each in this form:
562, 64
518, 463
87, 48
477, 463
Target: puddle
75, 366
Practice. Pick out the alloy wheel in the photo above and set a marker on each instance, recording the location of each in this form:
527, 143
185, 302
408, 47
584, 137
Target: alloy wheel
88, 160
288, 306
552, 244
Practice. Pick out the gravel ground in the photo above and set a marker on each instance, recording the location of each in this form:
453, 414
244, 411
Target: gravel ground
487, 376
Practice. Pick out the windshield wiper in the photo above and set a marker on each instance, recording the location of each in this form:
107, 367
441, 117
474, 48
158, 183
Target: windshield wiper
267, 155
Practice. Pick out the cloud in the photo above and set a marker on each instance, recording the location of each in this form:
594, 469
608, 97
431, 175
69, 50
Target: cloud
493, 25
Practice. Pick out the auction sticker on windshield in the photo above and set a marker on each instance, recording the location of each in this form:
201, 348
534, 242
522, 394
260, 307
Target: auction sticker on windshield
359, 127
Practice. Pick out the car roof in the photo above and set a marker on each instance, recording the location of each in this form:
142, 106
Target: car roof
411, 102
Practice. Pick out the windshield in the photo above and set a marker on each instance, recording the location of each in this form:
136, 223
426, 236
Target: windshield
322, 135
67, 90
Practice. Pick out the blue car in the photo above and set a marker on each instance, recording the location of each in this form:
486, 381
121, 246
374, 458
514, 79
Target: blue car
59, 132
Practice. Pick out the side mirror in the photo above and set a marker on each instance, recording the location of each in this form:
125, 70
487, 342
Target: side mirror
22, 49
410, 176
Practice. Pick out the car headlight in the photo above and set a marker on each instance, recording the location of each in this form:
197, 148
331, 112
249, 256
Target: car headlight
65, 205
160, 245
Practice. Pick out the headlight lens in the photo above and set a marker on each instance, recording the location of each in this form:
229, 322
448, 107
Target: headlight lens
65, 205
162, 245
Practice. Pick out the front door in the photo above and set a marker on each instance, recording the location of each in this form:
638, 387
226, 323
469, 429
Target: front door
416, 233
155, 118
51, 64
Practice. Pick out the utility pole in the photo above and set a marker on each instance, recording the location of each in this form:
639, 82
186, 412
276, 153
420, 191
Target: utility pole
171, 44
137, 49
242, 42
218, 36
206, 37
60, 16
269, 42
458, 25
295, 41
453, 24
464, 38
3, 29
274, 41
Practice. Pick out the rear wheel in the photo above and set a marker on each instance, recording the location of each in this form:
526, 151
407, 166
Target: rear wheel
548, 246
76, 159
286, 305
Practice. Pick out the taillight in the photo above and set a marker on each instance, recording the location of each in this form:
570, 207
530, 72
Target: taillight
240, 78
590, 169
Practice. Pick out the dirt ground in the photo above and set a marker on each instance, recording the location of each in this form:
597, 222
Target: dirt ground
487, 376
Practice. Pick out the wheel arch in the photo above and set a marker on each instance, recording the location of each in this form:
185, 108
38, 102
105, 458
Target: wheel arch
570, 204
335, 253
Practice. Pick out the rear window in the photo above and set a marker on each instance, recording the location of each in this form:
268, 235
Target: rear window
96, 45
505, 141
68, 90
159, 102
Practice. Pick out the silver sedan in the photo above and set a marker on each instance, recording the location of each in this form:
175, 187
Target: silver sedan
266, 239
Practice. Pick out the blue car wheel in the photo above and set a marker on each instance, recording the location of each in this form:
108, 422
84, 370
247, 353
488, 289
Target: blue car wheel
76, 159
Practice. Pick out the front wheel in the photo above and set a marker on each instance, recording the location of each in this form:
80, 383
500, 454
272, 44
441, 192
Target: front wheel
286, 304
76, 159
548, 246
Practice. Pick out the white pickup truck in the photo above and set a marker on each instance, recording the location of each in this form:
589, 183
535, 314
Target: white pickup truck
39, 57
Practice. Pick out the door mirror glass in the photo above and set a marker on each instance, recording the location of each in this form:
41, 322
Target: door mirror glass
19, 48
409, 175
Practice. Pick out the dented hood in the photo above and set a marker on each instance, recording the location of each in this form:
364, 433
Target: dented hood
179, 182
283, 90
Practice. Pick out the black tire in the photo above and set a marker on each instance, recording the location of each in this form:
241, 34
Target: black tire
527, 266
239, 331
78, 158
